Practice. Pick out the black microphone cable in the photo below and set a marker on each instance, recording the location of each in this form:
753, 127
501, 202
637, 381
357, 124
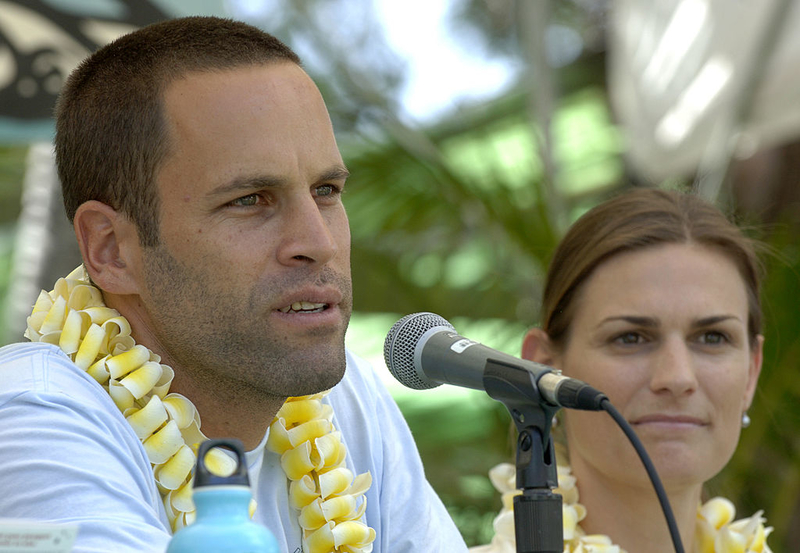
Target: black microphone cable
606, 406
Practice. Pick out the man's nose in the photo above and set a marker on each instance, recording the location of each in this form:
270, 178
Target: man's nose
307, 236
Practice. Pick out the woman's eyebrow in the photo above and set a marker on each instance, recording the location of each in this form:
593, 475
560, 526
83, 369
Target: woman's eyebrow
714, 319
650, 322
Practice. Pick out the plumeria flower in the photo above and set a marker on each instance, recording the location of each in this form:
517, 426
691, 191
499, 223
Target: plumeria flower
717, 532
595, 543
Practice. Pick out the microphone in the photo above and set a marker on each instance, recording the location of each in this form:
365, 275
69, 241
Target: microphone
423, 350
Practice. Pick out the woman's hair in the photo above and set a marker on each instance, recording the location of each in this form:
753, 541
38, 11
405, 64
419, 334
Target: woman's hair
633, 221
111, 131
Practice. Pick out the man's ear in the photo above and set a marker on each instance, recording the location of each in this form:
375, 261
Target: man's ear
109, 245
537, 347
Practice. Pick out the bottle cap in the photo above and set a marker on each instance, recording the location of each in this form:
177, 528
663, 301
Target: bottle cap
204, 477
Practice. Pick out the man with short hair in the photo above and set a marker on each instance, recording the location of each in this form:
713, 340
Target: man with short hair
203, 179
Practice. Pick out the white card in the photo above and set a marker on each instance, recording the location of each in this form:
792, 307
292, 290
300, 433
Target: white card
31, 536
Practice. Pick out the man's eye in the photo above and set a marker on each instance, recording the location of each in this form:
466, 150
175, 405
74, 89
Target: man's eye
245, 201
327, 190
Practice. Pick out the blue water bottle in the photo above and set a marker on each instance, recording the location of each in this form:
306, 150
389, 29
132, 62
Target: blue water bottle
223, 522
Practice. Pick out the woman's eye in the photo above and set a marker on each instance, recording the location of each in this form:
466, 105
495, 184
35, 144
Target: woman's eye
712, 338
629, 338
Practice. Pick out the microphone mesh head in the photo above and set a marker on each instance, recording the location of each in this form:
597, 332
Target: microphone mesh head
401, 343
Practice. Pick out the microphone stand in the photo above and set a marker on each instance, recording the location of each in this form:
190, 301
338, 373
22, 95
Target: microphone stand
537, 511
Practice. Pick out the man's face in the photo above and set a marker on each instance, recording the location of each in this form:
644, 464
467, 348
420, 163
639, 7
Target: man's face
251, 279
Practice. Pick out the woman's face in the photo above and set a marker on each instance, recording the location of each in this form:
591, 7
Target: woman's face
663, 332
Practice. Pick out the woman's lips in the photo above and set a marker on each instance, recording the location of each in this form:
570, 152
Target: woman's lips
669, 419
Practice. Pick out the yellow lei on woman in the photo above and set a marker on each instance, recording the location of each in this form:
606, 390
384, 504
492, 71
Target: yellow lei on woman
329, 499
716, 531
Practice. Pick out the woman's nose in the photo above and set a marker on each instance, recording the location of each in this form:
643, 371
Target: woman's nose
673, 368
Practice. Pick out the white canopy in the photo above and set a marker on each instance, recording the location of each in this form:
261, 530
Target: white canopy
694, 82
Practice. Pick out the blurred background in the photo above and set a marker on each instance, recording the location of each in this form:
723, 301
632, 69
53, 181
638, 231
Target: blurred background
476, 131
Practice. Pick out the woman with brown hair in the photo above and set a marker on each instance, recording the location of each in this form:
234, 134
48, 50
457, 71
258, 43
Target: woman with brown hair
652, 297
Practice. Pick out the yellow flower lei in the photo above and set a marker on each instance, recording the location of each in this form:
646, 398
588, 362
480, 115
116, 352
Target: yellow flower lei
98, 339
716, 531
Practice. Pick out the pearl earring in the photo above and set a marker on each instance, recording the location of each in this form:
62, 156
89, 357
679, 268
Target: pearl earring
745, 420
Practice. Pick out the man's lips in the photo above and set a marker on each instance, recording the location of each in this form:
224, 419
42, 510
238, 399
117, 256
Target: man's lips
313, 300
304, 307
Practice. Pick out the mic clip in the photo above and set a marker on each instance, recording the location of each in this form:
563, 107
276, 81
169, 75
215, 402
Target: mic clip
537, 511
516, 389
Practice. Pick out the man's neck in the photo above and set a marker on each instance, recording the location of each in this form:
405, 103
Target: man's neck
228, 409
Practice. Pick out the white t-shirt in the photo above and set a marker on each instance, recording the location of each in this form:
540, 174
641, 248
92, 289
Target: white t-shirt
68, 455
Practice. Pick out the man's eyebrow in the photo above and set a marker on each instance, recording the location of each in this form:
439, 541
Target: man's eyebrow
245, 184
249, 183
339, 172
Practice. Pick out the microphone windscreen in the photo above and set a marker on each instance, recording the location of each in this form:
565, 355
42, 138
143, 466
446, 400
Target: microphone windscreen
401, 343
